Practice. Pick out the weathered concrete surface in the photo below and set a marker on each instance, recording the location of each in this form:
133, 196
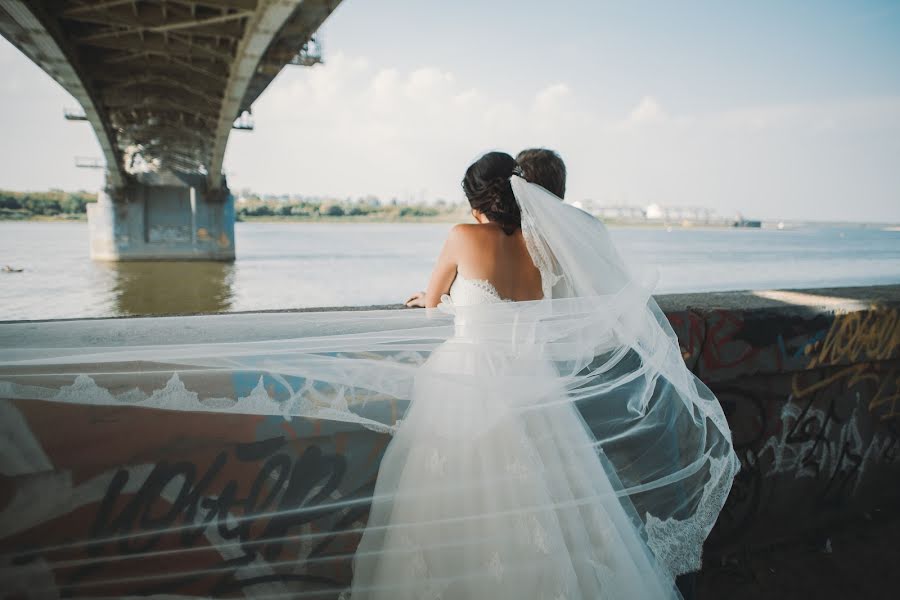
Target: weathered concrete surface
172, 217
115, 500
810, 383
857, 559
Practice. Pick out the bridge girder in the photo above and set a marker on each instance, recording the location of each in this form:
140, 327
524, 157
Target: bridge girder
163, 79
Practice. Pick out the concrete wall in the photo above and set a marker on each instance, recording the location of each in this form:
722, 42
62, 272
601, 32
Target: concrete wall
121, 500
810, 383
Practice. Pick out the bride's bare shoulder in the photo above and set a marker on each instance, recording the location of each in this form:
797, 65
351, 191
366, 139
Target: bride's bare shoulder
471, 243
475, 232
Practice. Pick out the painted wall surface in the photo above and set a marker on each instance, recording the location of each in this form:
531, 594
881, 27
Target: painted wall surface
113, 501
813, 400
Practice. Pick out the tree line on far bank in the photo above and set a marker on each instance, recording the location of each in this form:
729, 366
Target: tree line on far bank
311, 209
72, 205
55, 203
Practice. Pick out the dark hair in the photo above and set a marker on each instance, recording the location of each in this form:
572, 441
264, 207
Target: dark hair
487, 187
545, 168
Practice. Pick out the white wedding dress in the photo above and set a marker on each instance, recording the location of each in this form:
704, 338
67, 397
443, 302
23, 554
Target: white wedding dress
475, 500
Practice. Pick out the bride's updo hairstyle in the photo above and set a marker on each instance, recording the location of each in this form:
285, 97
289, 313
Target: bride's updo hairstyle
487, 187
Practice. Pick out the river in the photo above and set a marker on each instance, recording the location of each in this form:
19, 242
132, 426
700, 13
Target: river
293, 265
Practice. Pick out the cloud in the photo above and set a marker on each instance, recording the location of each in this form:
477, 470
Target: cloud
647, 111
348, 129
425, 84
552, 97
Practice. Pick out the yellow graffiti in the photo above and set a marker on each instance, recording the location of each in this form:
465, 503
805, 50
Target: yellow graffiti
885, 399
859, 338
861, 335
854, 373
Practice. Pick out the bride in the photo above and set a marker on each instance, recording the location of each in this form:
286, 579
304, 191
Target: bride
495, 484
548, 440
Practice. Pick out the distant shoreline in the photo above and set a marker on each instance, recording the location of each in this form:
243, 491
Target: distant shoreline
45, 219
357, 219
451, 218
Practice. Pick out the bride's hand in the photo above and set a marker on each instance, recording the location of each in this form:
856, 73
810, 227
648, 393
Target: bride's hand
417, 300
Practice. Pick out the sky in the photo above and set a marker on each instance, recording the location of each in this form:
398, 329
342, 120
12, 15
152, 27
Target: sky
772, 109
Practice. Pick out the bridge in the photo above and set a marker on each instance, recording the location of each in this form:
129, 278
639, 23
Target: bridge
163, 83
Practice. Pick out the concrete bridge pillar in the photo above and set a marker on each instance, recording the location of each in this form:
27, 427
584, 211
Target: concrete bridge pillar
163, 216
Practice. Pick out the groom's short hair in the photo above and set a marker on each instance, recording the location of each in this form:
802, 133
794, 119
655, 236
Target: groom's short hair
545, 168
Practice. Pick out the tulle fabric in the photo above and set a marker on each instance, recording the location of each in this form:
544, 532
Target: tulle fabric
516, 505
556, 448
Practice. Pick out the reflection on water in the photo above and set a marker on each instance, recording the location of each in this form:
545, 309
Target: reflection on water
169, 288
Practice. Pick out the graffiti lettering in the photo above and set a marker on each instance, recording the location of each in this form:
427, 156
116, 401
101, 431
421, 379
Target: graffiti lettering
860, 336
179, 505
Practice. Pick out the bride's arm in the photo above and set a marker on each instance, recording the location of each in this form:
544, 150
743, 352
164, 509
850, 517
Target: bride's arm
444, 272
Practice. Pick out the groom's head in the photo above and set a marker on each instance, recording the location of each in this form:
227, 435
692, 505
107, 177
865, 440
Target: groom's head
545, 168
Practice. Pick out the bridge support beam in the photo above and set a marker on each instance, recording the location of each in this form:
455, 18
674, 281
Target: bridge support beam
163, 217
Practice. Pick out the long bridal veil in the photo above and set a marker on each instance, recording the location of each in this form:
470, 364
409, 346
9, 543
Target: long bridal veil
598, 343
660, 427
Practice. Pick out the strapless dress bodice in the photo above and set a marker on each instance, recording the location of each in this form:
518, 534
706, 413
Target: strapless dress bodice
469, 292
466, 292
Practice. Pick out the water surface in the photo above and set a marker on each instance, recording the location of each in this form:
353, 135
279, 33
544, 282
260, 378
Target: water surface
292, 265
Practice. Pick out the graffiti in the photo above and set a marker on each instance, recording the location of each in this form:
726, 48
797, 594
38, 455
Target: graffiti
724, 347
691, 331
177, 505
724, 344
827, 445
818, 454
854, 337
884, 401
269, 516
738, 343
859, 336
284, 499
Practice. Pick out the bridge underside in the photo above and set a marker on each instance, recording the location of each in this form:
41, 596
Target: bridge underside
163, 81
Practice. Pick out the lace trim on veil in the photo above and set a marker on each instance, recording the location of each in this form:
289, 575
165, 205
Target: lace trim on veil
678, 543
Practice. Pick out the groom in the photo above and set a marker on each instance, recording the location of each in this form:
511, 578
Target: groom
545, 168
